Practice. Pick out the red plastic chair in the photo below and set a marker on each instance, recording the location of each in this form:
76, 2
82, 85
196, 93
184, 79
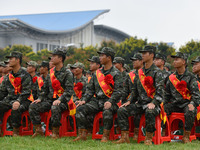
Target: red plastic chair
28, 128
95, 131
174, 118
64, 128
24, 130
4, 124
131, 126
197, 123
158, 138
44, 117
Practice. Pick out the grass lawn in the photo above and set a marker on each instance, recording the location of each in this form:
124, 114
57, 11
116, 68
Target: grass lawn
43, 143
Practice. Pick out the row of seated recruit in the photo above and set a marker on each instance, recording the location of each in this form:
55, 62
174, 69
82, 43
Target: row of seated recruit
68, 127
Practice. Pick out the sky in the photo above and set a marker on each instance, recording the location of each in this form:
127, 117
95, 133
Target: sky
175, 21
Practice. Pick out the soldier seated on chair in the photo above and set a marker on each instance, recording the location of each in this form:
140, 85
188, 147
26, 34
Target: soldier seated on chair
182, 93
15, 91
42, 104
106, 84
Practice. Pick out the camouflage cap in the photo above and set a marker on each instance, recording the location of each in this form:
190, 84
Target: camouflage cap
180, 55
78, 65
95, 59
160, 56
2, 64
168, 66
148, 48
196, 60
59, 51
68, 66
108, 51
32, 63
128, 69
137, 56
44, 64
15, 54
6, 62
118, 60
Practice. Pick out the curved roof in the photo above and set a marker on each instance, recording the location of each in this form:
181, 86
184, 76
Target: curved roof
53, 22
104, 27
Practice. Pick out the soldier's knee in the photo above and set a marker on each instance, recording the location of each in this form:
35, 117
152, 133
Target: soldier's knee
54, 108
107, 113
121, 110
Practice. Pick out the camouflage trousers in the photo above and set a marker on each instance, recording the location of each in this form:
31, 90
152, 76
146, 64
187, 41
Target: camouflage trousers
56, 111
94, 107
189, 115
15, 114
133, 110
36, 109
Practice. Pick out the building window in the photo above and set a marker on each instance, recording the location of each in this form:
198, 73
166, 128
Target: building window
52, 47
41, 46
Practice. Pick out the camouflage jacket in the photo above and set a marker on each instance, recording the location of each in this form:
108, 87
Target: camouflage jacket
94, 87
166, 74
66, 80
128, 84
198, 78
43, 93
7, 91
84, 81
138, 92
173, 96
34, 88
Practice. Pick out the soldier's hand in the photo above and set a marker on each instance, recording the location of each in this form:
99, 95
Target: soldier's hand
36, 101
15, 105
151, 105
191, 107
80, 103
107, 105
56, 102
125, 104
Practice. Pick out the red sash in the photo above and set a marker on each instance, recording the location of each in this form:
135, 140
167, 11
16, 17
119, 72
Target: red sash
89, 78
150, 93
77, 91
198, 85
107, 89
149, 90
185, 93
1, 79
132, 76
40, 82
198, 112
58, 90
16, 83
72, 107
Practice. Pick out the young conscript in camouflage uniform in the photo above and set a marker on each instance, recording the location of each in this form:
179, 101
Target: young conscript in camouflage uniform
15, 91
60, 82
129, 82
147, 90
42, 104
182, 93
106, 84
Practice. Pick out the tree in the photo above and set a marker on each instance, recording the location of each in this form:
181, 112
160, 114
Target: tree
190, 47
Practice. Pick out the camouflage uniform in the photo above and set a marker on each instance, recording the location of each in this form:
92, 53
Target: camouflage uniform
139, 94
66, 80
8, 97
97, 105
165, 72
45, 105
173, 100
197, 60
34, 84
83, 80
